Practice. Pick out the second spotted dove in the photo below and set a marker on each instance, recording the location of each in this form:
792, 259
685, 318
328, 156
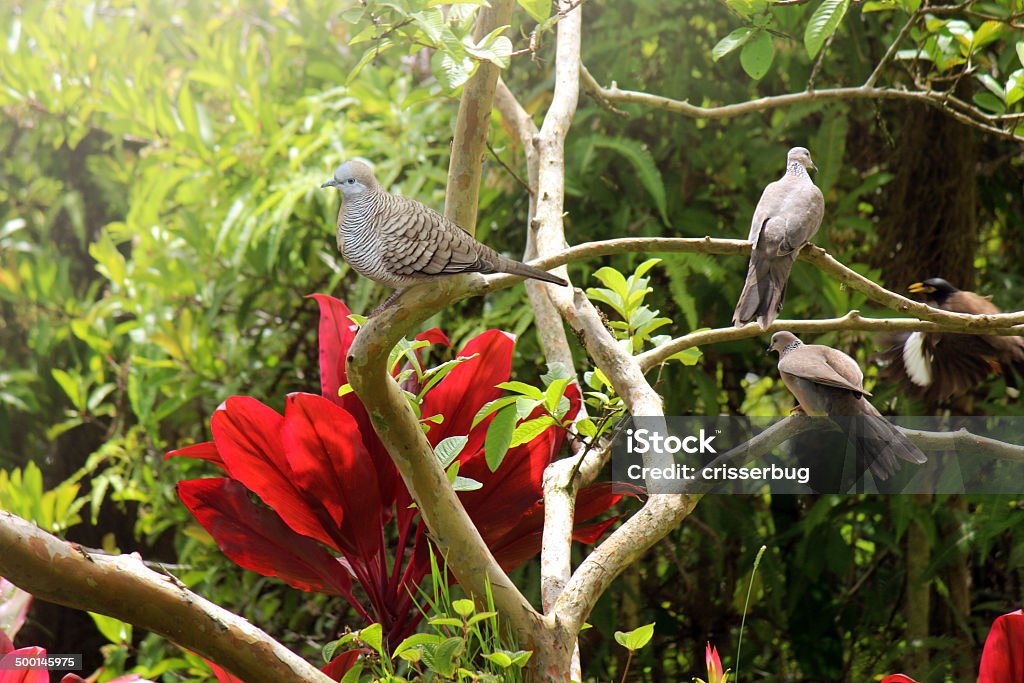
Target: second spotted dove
827, 382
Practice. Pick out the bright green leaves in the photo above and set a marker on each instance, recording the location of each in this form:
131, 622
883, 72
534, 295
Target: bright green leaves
419, 23
732, 41
823, 24
515, 422
757, 55
22, 493
540, 10
626, 297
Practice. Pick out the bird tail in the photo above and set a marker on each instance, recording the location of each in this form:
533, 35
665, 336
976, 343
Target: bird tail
879, 442
764, 290
507, 265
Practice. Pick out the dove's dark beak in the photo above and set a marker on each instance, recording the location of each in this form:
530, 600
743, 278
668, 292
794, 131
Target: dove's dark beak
814, 167
769, 350
330, 183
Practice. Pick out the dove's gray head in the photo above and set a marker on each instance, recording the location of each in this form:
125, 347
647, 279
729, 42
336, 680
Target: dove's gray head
353, 178
781, 340
801, 156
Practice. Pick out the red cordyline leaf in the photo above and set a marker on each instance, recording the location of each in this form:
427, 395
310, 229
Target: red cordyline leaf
340, 665
254, 537
8, 674
1002, 660
898, 678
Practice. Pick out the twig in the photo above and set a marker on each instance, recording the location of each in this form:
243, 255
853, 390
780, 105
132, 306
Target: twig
508, 169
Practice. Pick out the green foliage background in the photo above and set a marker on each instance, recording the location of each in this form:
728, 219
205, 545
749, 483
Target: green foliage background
161, 223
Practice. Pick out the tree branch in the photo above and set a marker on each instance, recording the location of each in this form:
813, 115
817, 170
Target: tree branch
942, 321
465, 169
399, 430
965, 113
123, 587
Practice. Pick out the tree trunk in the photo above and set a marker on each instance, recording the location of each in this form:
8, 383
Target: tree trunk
929, 224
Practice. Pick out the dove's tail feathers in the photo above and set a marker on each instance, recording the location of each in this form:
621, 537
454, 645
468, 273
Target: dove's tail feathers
507, 265
879, 443
763, 292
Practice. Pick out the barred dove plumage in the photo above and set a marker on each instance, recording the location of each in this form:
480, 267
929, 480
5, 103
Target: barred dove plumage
787, 216
937, 367
827, 382
399, 242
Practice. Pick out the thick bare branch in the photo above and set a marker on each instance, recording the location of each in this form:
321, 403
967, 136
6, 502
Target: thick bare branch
400, 432
469, 143
123, 587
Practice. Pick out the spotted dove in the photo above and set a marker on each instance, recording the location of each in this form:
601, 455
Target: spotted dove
787, 216
827, 382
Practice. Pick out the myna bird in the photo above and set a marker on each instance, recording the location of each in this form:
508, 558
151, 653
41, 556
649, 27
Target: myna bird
936, 367
399, 242
786, 218
827, 382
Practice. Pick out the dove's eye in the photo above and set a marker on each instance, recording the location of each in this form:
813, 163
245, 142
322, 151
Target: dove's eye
351, 180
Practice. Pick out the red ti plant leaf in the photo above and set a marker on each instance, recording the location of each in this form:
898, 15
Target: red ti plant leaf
254, 537
1002, 660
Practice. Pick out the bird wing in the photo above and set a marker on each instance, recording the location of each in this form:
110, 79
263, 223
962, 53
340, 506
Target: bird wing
421, 242
824, 365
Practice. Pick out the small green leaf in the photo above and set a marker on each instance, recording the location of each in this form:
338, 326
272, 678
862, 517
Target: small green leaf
499, 436
448, 449
416, 640
373, 635
530, 430
1020, 52
1015, 87
823, 24
635, 639
499, 658
466, 484
524, 389
463, 607
757, 55
553, 394
114, 630
587, 428
491, 407
987, 100
540, 10
734, 40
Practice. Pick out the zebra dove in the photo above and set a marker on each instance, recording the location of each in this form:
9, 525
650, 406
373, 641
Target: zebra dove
399, 242
827, 382
786, 218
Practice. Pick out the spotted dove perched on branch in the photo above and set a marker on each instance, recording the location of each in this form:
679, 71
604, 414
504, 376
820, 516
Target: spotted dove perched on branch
827, 382
787, 216
399, 242
939, 366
